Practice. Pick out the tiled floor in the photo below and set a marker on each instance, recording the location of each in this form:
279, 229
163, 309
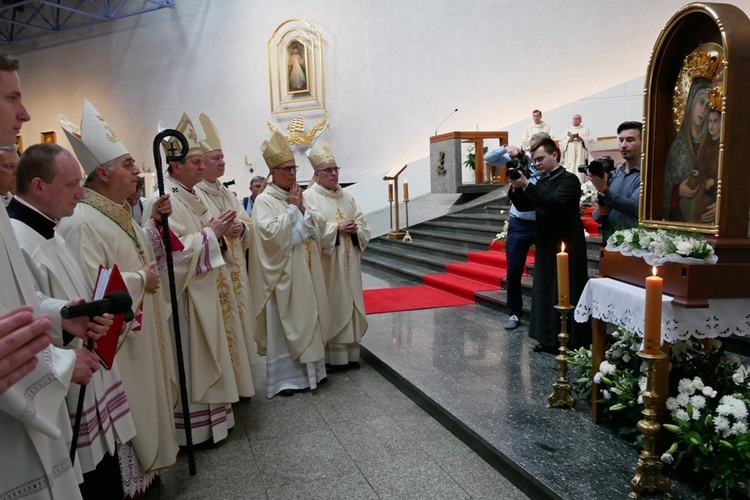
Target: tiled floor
355, 437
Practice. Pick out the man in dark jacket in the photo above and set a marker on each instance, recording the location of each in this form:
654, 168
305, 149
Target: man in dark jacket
556, 198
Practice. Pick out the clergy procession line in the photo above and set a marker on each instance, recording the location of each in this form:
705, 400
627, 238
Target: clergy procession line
282, 280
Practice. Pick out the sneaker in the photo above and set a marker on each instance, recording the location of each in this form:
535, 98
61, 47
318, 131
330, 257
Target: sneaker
512, 323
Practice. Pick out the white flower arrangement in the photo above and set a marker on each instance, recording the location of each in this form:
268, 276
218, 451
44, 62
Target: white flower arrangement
588, 194
502, 235
660, 246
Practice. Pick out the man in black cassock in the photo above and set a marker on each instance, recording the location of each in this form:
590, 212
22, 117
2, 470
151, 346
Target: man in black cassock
556, 198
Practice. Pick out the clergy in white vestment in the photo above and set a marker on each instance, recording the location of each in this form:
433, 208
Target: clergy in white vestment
535, 127
287, 280
210, 380
49, 188
101, 232
574, 147
234, 283
343, 238
8, 161
35, 430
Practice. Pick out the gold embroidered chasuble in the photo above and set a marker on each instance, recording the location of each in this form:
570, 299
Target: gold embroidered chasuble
292, 275
211, 374
234, 286
341, 264
100, 232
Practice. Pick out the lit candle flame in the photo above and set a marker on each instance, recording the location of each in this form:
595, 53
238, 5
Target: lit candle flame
562, 247
653, 270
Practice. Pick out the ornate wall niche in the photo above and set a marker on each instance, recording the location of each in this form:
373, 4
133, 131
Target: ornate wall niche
695, 173
295, 68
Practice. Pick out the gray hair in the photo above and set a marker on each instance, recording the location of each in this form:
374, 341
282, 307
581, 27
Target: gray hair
539, 136
257, 178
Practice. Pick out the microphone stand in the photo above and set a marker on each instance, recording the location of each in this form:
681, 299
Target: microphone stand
172, 287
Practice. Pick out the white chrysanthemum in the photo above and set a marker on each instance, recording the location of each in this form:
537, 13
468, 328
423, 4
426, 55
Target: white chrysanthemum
739, 428
682, 414
684, 248
682, 399
698, 402
598, 378
628, 235
721, 425
698, 384
696, 414
607, 368
626, 357
617, 353
672, 404
709, 392
686, 386
605, 394
667, 458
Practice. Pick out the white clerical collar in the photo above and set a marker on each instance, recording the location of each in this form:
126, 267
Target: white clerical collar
32, 207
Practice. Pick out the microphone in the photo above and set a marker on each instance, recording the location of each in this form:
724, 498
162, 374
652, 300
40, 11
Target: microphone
117, 302
449, 115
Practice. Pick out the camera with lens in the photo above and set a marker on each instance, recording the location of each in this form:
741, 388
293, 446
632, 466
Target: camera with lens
518, 165
599, 167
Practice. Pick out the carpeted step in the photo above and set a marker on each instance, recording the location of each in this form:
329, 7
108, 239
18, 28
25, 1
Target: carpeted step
489, 258
477, 272
457, 285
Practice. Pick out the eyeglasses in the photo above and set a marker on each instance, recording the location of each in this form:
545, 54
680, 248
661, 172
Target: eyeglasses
288, 170
539, 159
9, 166
329, 170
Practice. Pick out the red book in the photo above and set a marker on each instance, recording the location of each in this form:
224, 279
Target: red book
109, 280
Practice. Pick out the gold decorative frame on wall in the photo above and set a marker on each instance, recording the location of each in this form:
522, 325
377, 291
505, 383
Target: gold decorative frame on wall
49, 137
702, 53
295, 68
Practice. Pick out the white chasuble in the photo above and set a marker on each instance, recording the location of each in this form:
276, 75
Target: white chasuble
234, 286
35, 430
342, 262
106, 414
211, 383
576, 152
102, 233
288, 289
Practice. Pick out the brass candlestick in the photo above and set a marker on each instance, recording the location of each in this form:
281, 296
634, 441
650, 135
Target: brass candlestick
407, 237
648, 473
561, 387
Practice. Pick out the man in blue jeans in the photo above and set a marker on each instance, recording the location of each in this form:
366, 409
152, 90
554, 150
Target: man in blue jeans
521, 232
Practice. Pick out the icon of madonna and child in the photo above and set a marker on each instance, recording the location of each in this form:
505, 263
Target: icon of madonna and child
692, 166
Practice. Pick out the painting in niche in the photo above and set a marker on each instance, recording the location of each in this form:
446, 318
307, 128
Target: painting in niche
296, 63
691, 170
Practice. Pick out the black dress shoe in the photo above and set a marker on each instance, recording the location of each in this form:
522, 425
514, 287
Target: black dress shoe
286, 393
323, 381
353, 365
545, 348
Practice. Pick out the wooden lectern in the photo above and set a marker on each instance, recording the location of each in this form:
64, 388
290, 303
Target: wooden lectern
478, 139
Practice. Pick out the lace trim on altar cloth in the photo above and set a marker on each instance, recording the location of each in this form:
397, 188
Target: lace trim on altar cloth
712, 322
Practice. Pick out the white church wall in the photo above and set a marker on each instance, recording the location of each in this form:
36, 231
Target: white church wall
393, 71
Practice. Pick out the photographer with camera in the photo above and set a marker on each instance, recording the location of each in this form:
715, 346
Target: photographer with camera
521, 224
619, 188
556, 198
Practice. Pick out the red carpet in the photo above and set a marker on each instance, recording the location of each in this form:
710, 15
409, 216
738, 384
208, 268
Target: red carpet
408, 298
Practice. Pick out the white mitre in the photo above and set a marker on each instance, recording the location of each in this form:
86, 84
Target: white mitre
188, 130
320, 153
94, 143
212, 141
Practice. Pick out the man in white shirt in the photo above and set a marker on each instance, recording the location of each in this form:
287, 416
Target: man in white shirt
535, 128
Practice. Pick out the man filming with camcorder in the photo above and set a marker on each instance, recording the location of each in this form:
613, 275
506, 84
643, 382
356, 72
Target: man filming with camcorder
618, 188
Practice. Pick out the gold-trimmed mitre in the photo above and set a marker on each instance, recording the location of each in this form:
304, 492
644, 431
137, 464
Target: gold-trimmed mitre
276, 150
94, 142
320, 153
212, 141
188, 130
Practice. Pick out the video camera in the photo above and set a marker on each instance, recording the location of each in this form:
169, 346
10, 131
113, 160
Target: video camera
518, 165
599, 167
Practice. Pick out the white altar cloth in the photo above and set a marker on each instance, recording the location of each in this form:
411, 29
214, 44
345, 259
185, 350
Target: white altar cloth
623, 305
